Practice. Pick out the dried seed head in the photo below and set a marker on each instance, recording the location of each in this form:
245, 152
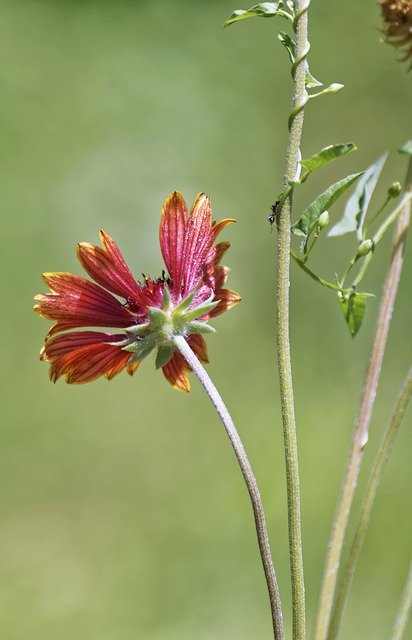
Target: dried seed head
397, 17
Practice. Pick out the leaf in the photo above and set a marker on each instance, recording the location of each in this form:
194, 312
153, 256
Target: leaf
262, 10
323, 202
311, 82
164, 354
326, 155
406, 148
289, 44
354, 310
357, 205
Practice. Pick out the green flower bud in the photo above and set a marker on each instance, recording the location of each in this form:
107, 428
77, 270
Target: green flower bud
323, 220
394, 190
365, 247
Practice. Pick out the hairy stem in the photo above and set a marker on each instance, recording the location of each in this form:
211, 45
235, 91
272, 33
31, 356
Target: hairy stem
402, 618
300, 97
367, 505
360, 432
250, 480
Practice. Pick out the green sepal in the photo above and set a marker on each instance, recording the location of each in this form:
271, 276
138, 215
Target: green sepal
185, 304
353, 307
142, 347
138, 329
308, 220
164, 354
201, 310
358, 203
197, 326
166, 301
157, 317
262, 10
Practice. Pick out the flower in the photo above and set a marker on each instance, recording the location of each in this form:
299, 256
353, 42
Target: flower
150, 313
397, 15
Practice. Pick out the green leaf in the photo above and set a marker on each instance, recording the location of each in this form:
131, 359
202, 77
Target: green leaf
354, 310
357, 205
289, 44
406, 148
326, 155
323, 202
311, 82
164, 354
262, 10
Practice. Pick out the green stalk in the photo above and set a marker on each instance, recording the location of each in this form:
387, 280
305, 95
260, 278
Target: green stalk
367, 505
361, 429
250, 480
300, 97
402, 618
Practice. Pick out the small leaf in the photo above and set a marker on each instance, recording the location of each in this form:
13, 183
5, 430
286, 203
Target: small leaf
323, 202
262, 10
354, 310
406, 148
357, 205
311, 82
289, 44
326, 155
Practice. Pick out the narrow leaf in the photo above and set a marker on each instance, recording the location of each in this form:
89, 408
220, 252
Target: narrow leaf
201, 310
323, 202
357, 205
164, 354
262, 10
311, 82
197, 326
354, 310
326, 155
406, 148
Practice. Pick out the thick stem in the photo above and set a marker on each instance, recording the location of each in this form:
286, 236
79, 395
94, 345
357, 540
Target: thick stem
300, 97
402, 618
360, 432
250, 480
367, 505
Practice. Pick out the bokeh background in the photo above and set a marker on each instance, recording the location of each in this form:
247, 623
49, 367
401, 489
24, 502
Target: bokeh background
123, 515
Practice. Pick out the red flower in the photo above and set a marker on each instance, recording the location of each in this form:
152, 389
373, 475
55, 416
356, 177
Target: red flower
150, 312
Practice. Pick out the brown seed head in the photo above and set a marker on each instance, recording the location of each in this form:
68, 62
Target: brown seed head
397, 17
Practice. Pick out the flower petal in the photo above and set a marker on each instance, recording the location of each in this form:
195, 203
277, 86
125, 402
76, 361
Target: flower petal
83, 356
215, 255
219, 226
172, 235
76, 302
198, 345
227, 299
198, 241
175, 372
108, 268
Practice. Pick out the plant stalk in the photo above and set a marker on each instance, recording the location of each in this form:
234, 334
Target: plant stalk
250, 480
402, 618
367, 505
360, 432
300, 97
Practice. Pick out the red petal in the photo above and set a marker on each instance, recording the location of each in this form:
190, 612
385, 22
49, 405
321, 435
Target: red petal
84, 356
215, 255
227, 299
198, 240
172, 235
198, 344
219, 226
76, 302
175, 372
107, 267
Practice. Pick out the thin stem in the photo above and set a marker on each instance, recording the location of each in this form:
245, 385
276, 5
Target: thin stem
300, 97
321, 281
250, 480
373, 218
360, 432
402, 618
367, 505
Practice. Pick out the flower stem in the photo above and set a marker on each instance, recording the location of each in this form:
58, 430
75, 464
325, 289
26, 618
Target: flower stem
367, 505
310, 273
250, 480
295, 122
402, 618
360, 432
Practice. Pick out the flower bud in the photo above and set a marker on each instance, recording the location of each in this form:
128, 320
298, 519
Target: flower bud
365, 247
394, 190
323, 220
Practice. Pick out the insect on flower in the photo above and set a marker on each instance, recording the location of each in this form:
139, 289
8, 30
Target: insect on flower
148, 314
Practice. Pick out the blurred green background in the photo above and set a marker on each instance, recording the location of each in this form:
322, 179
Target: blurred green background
123, 514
